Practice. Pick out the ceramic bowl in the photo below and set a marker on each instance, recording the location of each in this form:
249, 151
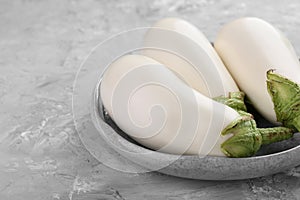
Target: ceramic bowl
270, 159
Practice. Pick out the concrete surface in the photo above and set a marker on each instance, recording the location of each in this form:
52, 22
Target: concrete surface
42, 44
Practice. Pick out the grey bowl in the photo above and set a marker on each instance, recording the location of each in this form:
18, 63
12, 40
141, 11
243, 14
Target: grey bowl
270, 159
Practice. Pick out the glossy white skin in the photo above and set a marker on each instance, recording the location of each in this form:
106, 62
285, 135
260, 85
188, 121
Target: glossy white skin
249, 47
173, 95
197, 73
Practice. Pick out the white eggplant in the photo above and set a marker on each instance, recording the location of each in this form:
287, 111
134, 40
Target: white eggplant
184, 49
250, 47
158, 110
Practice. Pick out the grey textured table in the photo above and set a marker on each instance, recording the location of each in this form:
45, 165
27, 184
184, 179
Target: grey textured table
42, 44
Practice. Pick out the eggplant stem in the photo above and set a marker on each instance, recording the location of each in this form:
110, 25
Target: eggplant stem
275, 134
296, 122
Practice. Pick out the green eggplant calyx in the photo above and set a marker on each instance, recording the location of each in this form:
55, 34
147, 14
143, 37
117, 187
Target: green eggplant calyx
247, 138
285, 95
234, 100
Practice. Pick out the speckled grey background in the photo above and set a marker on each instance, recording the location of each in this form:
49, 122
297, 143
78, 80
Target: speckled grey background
42, 44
